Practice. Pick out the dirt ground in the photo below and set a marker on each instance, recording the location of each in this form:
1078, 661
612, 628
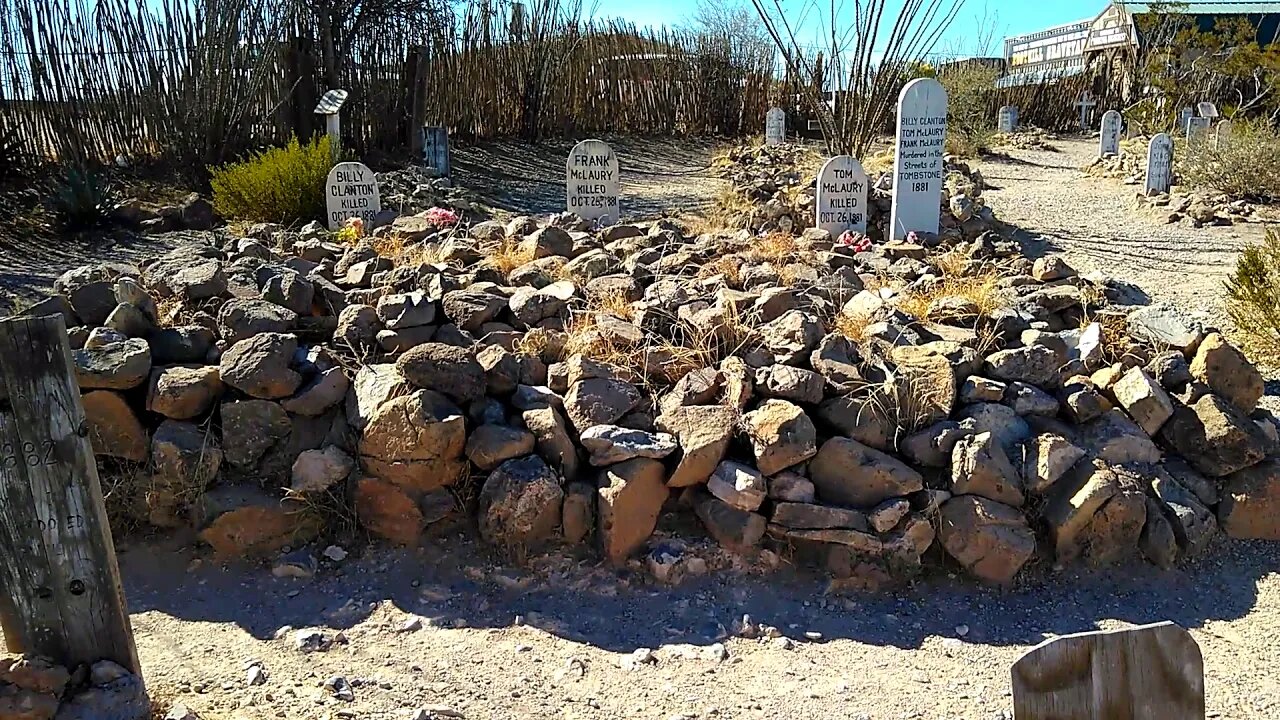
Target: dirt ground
559, 636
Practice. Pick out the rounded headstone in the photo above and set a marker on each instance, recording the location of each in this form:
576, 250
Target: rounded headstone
351, 191
917, 163
591, 182
842, 196
1109, 138
1160, 163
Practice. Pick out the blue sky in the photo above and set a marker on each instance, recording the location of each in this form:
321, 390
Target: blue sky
1009, 18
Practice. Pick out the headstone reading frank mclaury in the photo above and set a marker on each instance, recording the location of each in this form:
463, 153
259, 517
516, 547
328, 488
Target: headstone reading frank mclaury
1160, 163
351, 191
775, 126
591, 182
1109, 138
917, 162
842, 196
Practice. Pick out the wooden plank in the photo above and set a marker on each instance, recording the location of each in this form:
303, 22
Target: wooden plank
57, 562
1151, 672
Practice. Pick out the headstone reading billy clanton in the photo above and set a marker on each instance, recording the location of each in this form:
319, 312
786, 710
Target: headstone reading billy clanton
1160, 163
351, 191
842, 196
591, 182
917, 162
1109, 138
1008, 121
775, 127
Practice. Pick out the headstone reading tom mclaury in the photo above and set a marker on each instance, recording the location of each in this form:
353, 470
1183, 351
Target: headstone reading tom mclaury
591, 182
1109, 138
351, 191
1008, 121
775, 127
842, 196
1160, 163
917, 162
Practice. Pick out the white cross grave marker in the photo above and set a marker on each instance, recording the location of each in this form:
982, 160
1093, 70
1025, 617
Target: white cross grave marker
917, 161
1109, 137
775, 126
842, 196
1160, 164
330, 106
591, 182
1086, 105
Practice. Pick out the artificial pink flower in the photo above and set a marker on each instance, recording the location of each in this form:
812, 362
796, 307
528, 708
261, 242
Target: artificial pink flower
442, 217
850, 239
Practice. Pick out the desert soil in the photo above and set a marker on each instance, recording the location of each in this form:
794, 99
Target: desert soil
556, 636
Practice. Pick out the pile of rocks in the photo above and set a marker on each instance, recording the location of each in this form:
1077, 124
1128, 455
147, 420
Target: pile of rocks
774, 189
416, 189
1027, 138
36, 688
1130, 166
1198, 208
861, 407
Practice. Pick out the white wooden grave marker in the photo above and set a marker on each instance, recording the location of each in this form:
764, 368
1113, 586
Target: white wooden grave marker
775, 126
1222, 132
1197, 130
917, 161
1207, 109
1109, 138
1086, 105
1160, 163
1183, 115
1008, 119
842, 196
591, 182
351, 191
330, 106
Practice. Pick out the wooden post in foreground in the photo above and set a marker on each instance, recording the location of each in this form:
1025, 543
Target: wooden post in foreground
60, 591
1152, 672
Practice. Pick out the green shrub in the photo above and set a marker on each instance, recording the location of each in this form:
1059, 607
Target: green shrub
1245, 166
283, 184
81, 198
1253, 299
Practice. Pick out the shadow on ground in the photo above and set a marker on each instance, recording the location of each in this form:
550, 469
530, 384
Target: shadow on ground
457, 582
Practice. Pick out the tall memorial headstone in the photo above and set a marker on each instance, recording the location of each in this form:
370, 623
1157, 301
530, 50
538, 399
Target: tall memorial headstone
1197, 129
591, 182
1008, 119
1109, 137
351, 191
1160, 163
917, 162
842, 196
775, 126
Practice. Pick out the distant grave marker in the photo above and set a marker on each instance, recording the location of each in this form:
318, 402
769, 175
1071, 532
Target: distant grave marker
1153, 672
1086, 106
1183, 115
1160, 163
351, 191
1109, 137
591, 182
1222, 132
1008, 121
1207, 110
917, 161
1197, 130
330, 106
842, 196
775, 127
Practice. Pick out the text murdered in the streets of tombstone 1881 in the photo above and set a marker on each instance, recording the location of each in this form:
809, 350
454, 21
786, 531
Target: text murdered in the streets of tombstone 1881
921, 148
844, 207
588, 169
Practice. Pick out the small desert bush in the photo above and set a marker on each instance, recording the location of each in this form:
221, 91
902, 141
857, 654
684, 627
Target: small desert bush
282, 184
81, 198
1244, 165
1253, 299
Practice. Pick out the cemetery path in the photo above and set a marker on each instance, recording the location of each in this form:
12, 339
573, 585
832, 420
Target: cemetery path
1091, 222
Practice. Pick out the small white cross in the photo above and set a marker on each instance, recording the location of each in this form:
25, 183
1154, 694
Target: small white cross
1086, 104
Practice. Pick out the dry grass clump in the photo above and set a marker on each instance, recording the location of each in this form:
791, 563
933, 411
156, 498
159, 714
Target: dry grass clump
396, 249
730, 266
853, 327
982, 290
776, 247
613, 303
729, 210
507, 255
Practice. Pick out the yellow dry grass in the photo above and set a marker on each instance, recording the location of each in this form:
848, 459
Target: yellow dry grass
730, 266
395, 249
853, 327
779, 248
982, 290
507, 255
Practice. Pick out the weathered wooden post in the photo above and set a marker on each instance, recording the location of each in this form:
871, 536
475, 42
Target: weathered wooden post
60, 591
1152, 672
330, 106
435, 149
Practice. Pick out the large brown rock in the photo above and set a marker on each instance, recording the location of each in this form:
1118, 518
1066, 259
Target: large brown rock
259, 366
182, 393
114, 429
113, 366
415, 442
551, 433
781, 435
446, 369
736, 530
631, 498
1048, 457
807, 516
1118, 440
1250, 507
1115, 532
520, 504
387, 512
1143, 398
256, 531
240, 319
980, 467
1034, 364
846, 472
373, 386
704, 432
1215, 437
599, 401
867, 416
1074, 502
185, 458
491, 445
1227, 373
991, 540
250, 428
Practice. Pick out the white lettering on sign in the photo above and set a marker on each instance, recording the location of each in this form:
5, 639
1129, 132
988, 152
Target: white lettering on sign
351, 191
917, 162
842, 196
1109, 138
1160, 163
591, 182
775, 127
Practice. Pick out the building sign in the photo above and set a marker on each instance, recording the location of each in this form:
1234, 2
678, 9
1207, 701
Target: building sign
1113, 28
